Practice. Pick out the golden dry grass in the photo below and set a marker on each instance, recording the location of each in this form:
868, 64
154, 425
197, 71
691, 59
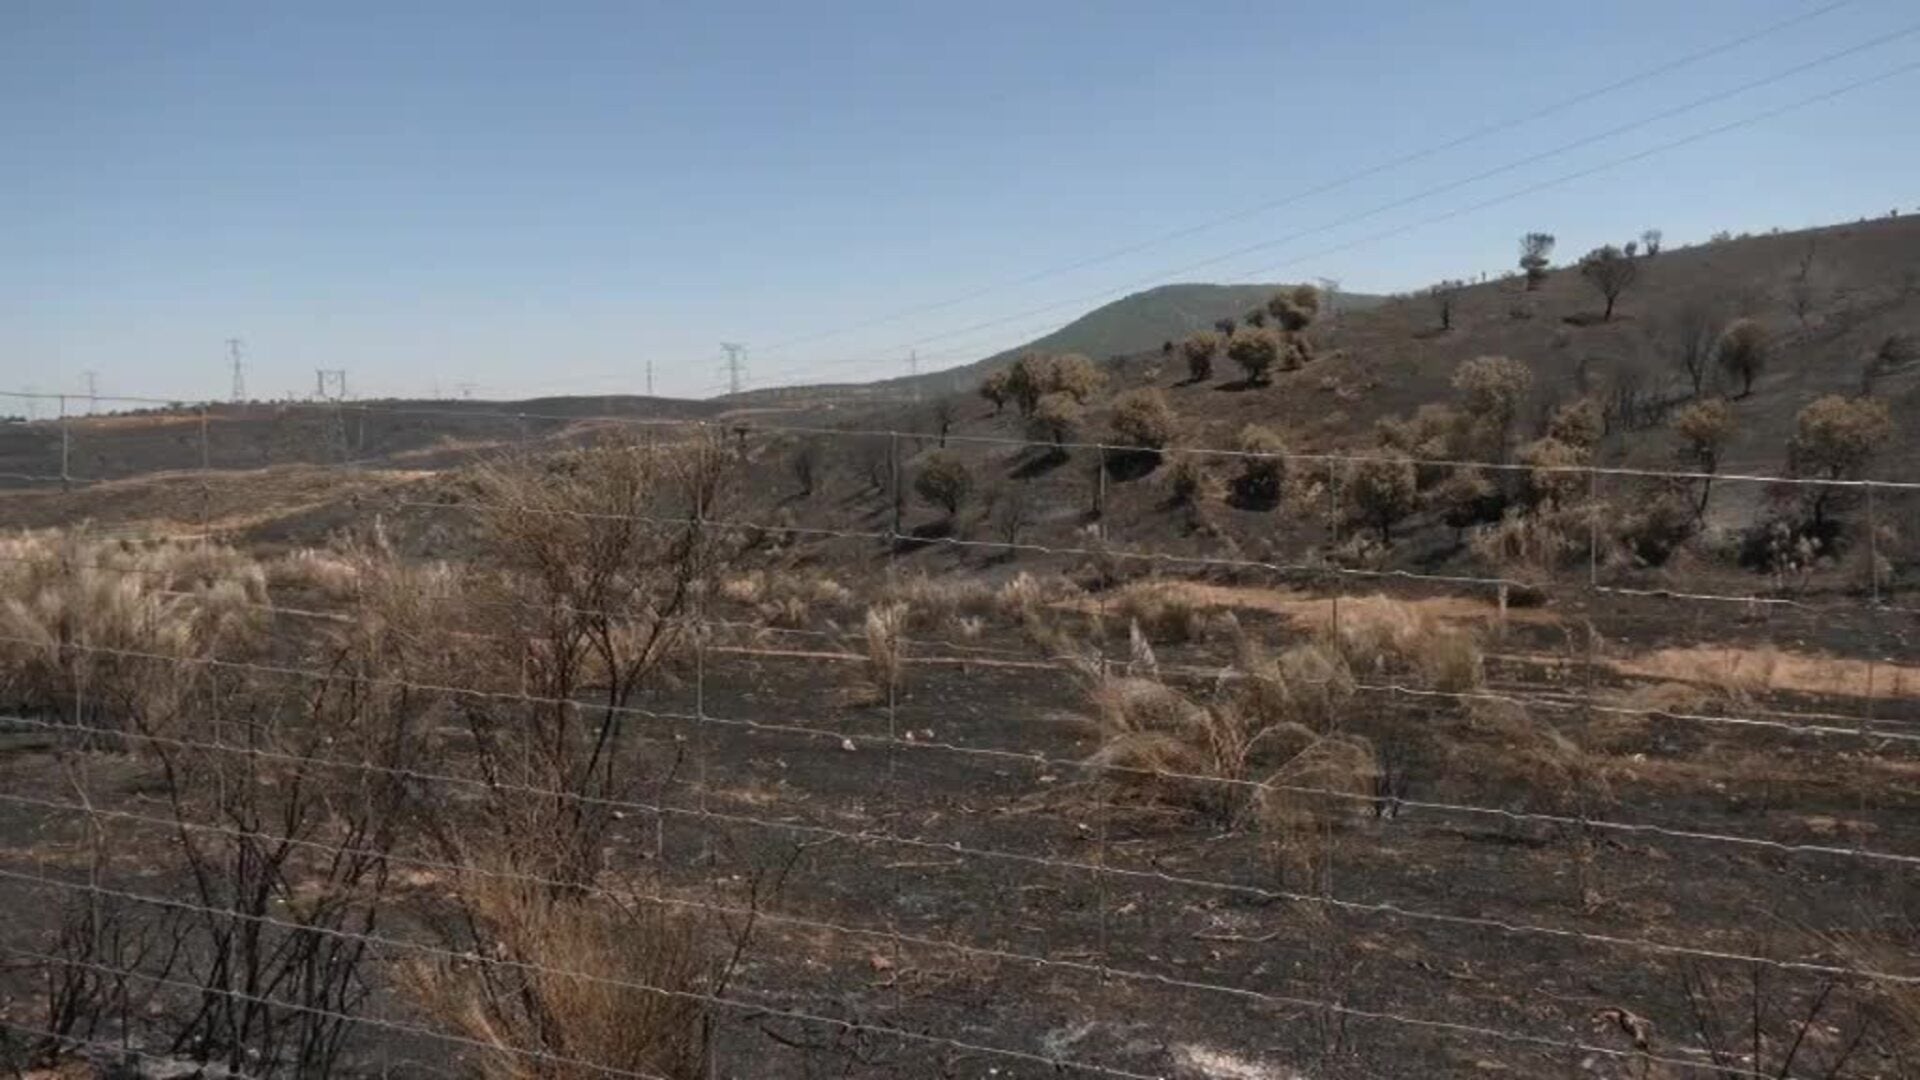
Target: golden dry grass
1386, 637
1742, 674
79, 616
552, 985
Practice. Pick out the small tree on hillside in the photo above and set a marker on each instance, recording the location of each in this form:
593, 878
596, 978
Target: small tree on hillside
1465, 498
1491, 389
1384, 491
1444, 296
1835, 438
1255, 318
1256, 351
1742, 351
1076, 376
1055, 419
943, 414
1579, 423
1199, 350
1295, 309
944, 482
1011, 511
1536, 251
1028, 380
1650, 242
1143, 419
1688, 339
1553, 479
1803, 297
997, 387
1263, 468
1610, 271
1036, 375
1225, 326
1703, 429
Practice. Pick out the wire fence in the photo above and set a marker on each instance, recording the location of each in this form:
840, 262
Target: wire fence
1258, 924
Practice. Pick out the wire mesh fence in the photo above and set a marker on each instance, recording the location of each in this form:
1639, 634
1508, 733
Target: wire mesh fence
680, 748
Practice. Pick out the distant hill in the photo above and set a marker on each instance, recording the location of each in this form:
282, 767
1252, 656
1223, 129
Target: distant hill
1130, 325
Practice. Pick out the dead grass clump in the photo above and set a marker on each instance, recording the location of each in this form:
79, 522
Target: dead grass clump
1023, 596
1162, 748
885, 665
561, 980
329, 573
785, 599
1736, 675
1269, 733
1166, 611
1327, 779
1507, 744
937, 604
95, 621
745, 590
1383, 637
1308, 685
1629, 732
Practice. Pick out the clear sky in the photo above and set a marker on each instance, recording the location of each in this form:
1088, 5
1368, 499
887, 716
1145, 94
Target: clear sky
541, 197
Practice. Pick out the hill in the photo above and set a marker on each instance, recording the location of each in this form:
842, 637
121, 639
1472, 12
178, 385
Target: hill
1133, 324
1831, 298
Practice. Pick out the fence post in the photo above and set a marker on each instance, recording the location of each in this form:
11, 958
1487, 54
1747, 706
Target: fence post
893, 469
66, 445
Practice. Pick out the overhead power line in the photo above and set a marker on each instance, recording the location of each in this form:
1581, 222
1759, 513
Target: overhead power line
1334, 184
1324, 187
1159, 277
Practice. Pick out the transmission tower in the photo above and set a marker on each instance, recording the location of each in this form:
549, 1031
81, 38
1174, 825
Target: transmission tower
1330, 294
239, 373
93, 391
330, 384
736, 364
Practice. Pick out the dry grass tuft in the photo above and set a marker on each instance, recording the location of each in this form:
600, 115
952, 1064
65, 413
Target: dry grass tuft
1270, 730
933, 604
329, 573
1308, 685
1382, 637
1506, 743
549, 986
1166, 611
885, 625
75, 606
785, 599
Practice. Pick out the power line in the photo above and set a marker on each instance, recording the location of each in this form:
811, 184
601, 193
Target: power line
1380, 167
1336, 183
1079, 301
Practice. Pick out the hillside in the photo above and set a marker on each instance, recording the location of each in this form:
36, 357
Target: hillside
1862, 285
1861, 288
1136, 323
1372, 362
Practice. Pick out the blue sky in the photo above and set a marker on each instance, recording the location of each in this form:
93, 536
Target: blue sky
540, 198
